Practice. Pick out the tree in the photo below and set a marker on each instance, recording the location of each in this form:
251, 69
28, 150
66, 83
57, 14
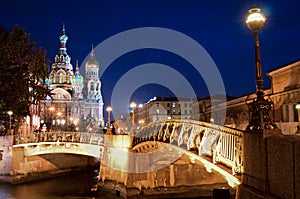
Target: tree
23, 71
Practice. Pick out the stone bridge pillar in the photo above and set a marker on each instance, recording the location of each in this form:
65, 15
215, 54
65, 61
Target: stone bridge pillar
6, 143
255, 178
115, 161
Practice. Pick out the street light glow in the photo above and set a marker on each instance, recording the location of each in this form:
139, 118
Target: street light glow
108, 109
255, 17
9, 113
255, 20
132, 105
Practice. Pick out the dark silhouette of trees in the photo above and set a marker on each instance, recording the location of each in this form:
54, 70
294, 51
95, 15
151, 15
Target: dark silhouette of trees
23, 71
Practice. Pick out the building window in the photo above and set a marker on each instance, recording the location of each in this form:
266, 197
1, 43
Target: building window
61, 77
174, 105
168, 104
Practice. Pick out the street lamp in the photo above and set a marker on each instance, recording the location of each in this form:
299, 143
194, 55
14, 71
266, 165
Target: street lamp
132, 106
298, 109
51, 109
9, 113
108, 130
260, 107
59, 120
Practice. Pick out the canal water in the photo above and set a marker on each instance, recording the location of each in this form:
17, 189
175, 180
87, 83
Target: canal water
76, 186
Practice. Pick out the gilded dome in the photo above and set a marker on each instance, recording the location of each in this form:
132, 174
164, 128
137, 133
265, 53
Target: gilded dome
92, 62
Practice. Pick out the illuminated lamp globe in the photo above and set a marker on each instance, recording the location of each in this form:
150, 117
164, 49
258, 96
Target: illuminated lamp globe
132, 105
255, 19
108, 109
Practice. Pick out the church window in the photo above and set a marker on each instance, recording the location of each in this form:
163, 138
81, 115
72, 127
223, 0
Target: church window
92, 86
61, 78
57, 78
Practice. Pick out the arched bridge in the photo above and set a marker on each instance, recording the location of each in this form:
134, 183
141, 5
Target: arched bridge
175, 153
89, 144
221, 144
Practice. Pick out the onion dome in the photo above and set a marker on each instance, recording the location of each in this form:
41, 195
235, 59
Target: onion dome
63, 39
77, 78
92, 62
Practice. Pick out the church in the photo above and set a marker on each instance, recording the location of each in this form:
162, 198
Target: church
76, 102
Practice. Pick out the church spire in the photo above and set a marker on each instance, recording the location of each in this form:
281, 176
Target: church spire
77, 67
62, 59
63, 40
92, 62
63, 29
92, 53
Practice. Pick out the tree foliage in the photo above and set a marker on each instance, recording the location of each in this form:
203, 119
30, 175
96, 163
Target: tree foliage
23, 71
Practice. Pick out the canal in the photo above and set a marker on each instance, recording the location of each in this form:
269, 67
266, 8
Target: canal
64, 187
75, 186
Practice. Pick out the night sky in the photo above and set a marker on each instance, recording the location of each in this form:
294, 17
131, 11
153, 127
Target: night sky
218, 26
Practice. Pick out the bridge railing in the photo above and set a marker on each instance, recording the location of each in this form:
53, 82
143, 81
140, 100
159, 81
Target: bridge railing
221, 143
60, 136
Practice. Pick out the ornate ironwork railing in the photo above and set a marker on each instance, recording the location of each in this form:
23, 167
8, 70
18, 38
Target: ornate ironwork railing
60, 136
221, 143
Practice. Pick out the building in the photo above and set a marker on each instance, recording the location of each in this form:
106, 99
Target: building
158, 109
284, 93
76, 102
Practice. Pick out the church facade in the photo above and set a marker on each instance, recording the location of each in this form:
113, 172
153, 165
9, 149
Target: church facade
76, 102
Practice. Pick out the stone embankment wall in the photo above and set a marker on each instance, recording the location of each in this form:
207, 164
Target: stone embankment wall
5, 157
272, 166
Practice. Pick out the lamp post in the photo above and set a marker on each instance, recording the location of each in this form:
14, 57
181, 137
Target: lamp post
108, 130
51, 109
260, 107
298, 109
9, 113
60, 121
132, 106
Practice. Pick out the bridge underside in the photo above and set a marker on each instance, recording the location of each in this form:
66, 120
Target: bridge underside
32, 149
161, 168
173, 153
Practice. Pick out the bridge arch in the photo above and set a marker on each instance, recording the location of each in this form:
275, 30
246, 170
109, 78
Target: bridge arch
40, 148
222, 144
88, 144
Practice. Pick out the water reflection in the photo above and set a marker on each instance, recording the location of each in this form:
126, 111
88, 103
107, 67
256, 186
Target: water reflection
73, 186
77, 186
